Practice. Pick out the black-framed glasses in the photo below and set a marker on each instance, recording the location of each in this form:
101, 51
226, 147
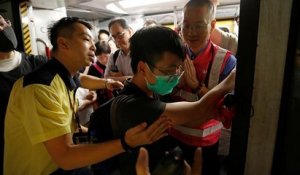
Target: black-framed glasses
171, 76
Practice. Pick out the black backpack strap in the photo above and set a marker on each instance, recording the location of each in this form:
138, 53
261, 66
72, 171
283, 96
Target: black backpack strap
115, 55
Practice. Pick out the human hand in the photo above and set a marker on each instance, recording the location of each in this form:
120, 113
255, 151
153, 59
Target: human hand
116, 74
229, 82
142, 164
189, 75
91, 96
142, 135
196, 168
111, 84
4, 23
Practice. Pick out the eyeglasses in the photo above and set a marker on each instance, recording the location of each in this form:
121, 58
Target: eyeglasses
194, 27
178, 72
119, 35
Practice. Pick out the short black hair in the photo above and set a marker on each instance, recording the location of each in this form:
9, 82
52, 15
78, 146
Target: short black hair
120, 21
150, 43
64, 27
102, 48
103, 31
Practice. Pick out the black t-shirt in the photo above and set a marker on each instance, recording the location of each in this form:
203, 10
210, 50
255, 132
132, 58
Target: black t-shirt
7, 79
131, 108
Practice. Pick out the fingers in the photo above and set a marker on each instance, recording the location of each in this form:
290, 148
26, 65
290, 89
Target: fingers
142, 164
137, 129
187, 168
158, 129
112, 84
197, 165
141, 135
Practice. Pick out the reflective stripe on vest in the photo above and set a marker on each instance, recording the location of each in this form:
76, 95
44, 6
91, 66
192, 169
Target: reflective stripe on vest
214, 74
197, 132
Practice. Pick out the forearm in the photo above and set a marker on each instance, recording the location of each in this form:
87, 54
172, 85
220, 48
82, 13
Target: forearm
76, 156
202, 110
91, 82
119, 78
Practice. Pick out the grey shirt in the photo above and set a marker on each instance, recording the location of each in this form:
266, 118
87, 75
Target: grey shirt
123, 63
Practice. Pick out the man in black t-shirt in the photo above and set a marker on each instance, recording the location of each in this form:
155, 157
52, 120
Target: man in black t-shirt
156, 63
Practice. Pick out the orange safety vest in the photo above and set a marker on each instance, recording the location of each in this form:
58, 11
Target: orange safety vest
209, 132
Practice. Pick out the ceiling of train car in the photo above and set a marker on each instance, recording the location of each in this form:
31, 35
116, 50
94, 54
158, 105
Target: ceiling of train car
105, 9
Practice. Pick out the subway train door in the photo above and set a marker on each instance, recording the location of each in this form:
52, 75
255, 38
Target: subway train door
287, 152
265, 130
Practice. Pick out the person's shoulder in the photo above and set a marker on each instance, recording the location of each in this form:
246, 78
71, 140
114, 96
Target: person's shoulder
43, 75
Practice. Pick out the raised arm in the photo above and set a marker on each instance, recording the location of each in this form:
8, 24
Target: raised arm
94, 83
202, 110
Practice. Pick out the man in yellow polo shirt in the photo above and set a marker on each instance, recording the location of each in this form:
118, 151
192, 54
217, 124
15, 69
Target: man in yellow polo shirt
40, 115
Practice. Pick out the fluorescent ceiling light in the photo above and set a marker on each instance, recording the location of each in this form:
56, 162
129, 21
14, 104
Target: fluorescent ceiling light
112, 7
139, 3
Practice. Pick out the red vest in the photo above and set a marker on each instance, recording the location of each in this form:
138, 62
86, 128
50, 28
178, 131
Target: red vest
209, 132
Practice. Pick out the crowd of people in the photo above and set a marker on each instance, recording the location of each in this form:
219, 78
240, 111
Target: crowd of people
169, 84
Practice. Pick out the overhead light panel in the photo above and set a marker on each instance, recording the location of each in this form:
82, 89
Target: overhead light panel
140, 3
112, 7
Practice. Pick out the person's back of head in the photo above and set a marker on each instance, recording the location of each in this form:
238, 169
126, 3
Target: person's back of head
102, 48
150, 43
64, 28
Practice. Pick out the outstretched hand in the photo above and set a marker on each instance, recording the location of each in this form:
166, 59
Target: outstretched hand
112, 84
142, 135
142, 164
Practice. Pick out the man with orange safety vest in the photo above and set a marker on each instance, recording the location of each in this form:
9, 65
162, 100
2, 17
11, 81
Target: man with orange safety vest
205, 66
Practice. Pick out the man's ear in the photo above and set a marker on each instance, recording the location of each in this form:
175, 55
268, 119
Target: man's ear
62, 43
130, 31
141, 67
212, 25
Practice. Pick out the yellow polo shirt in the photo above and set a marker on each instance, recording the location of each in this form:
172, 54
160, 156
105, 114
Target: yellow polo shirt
38, 110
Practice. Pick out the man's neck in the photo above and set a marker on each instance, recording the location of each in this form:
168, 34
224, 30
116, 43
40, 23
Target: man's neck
68, 65
140, 82
125, 51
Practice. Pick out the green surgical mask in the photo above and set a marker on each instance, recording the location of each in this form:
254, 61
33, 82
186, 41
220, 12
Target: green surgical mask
164, 84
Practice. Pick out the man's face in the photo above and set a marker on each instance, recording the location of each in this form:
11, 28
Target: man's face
168, 65
121, 36
81, 44
196, 27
